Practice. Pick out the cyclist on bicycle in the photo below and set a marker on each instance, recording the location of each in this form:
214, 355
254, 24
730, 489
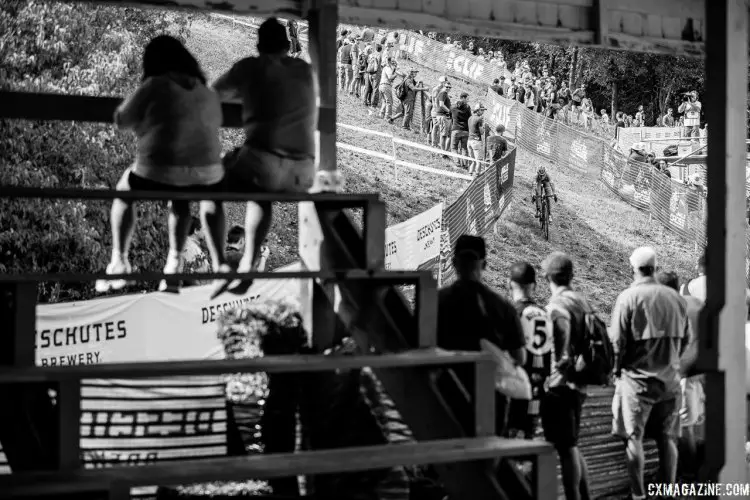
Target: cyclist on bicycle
543, 182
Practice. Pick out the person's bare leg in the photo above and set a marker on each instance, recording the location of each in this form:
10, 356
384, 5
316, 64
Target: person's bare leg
214, 220
667, 458
179, 225
122, 221
570, 463
634, 461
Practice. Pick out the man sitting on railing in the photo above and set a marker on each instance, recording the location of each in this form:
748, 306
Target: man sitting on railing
280, 116
543, 186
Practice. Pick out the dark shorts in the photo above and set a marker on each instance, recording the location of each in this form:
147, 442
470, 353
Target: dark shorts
249, 170
131, 181
561, 416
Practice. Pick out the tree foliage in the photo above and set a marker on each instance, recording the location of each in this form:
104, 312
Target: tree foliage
73, 49
615, 79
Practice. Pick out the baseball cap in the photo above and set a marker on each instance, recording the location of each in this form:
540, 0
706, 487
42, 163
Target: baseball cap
464, 95
478, 106
643, 257
557, 264
443, 79
471, 246
522, 273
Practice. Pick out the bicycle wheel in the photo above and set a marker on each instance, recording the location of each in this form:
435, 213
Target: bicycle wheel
545, 219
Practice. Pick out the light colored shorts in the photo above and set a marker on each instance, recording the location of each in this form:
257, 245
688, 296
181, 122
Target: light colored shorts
644, 412
252, 170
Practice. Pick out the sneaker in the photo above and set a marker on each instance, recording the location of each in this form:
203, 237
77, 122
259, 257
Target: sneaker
168, 285
549, 217
104, 286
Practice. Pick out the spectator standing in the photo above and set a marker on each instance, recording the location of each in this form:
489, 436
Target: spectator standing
460, 114
640, 117
389, 74
668, 119
476, 134
497, 146
496, 87
537, 328
443, 113
295, 49
360, 72
368, 35
691, 388
434, 121
691, 108
407, 104
344, 59
373, 77
697, 286
280, 117
649, 332
577, 97
469, 311
562, 404
564, 92
504, 86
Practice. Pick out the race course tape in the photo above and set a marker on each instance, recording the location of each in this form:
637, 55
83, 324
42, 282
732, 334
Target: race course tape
416, 145
402, 163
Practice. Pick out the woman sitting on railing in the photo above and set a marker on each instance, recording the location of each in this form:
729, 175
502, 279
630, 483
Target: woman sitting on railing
176, 119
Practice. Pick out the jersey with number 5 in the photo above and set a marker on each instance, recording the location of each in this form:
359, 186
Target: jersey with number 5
537, 328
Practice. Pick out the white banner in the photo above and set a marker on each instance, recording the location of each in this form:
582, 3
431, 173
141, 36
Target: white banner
145, 327
138, 421
414, 242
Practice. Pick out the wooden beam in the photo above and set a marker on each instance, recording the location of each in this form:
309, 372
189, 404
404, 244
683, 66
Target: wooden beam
382, 321
262, 466
326, 201
267, 364
377, 278
81, 108
722, 325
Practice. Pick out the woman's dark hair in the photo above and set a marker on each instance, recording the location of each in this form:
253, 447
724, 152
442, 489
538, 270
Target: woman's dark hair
272, 37
165, 54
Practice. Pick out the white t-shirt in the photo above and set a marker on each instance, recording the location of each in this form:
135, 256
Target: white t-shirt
747, 357
697, 288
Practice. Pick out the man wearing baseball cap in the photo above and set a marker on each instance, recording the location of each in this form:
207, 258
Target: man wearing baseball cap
476, 132
434, 137
691, 107
649, 331
562, 404
537, 329
468, 312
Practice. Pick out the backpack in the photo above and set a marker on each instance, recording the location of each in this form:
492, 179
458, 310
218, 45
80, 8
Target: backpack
593, 351
373, 65
670, 150
401, 90
362, 62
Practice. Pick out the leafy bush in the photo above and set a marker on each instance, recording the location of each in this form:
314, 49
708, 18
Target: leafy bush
72, 49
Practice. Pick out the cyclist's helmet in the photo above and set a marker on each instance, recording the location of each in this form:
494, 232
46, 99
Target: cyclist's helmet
541, 172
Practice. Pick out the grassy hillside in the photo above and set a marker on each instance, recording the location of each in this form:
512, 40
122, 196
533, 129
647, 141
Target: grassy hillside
594, 227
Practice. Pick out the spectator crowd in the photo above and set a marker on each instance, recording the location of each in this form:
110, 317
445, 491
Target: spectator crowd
652, 334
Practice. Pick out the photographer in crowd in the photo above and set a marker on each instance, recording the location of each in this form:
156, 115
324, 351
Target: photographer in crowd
691, 107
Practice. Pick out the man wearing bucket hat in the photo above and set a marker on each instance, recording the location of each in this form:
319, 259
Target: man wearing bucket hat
691, 107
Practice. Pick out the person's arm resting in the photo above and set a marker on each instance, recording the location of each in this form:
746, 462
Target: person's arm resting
227, 85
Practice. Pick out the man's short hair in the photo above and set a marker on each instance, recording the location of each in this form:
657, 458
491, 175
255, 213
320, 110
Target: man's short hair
468, 246
235, 234
272, 37
496, 80
668, 278
522, 273
558, 268
500, 128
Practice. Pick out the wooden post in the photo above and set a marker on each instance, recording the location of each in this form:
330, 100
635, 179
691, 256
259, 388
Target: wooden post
323, 18
722, 326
